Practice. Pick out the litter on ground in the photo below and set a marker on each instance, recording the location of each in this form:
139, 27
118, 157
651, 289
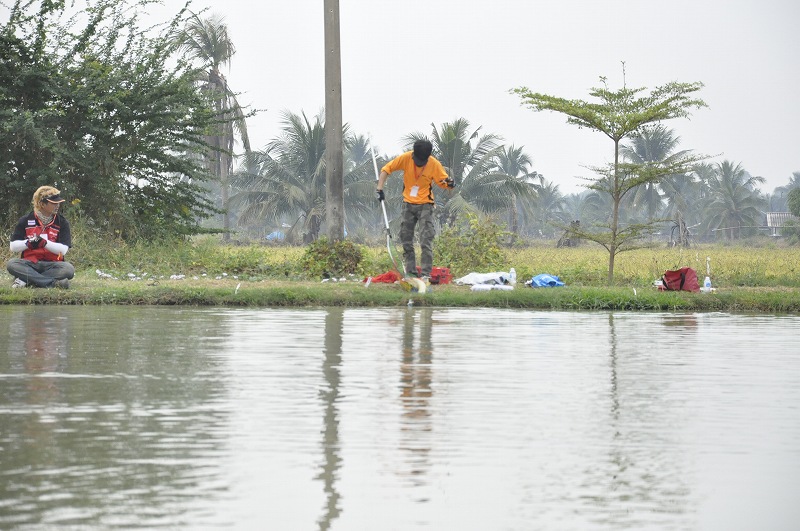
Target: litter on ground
490, 287
545, 280
496, 278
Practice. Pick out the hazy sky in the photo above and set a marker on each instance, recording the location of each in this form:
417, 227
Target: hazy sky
407, 64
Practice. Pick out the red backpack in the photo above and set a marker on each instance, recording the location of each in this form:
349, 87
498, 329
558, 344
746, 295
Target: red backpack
683, 279
439, 275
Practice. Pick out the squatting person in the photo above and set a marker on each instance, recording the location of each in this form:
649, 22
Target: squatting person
43, 237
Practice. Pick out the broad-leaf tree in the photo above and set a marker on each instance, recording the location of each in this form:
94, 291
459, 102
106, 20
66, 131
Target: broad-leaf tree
105, 111
620, 114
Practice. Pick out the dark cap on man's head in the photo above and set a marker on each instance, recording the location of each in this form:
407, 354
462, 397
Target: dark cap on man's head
53, 199
422, 150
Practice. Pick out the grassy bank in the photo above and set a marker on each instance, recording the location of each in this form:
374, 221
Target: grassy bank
300, 293
763, 279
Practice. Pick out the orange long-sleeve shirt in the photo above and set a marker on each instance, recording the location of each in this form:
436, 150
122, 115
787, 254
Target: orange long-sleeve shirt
417, 181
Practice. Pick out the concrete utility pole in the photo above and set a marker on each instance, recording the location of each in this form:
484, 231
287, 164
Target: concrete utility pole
334, 158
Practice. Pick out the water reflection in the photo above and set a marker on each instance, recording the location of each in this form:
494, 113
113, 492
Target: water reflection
37, 347
422, 418
640, 470
685, 322
334, 322
100, 417
415, 392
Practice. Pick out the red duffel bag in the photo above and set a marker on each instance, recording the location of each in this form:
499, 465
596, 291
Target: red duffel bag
683, 279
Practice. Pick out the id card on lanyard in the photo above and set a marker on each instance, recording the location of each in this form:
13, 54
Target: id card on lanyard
414, 191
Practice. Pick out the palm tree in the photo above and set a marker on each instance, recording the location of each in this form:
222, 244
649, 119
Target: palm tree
701, 175
683, 202
207, 40
287, 180
588, 207
549, 204
512, 161
653, 145
681, 194
778, 200
794, 181
735, 202
286, 183
362, 212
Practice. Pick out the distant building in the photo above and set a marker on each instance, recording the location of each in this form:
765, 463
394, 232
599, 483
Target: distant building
777, 220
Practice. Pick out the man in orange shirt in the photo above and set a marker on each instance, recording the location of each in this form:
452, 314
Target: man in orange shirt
420, 171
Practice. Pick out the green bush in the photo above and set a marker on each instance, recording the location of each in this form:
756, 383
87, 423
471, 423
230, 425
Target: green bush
325, 259
472, 244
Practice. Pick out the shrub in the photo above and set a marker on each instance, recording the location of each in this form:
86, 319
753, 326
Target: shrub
470, 245
325, 259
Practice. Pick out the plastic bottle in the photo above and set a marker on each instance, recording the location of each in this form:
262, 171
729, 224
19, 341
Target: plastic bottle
707, 285
513, 274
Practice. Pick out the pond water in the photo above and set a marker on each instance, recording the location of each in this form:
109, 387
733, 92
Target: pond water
406, 419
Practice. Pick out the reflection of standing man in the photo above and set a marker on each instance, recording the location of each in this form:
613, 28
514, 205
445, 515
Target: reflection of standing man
420, 171
416, 394
43, 237
416, 370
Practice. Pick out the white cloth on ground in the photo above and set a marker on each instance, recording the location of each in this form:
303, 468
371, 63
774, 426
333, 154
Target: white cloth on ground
498, 277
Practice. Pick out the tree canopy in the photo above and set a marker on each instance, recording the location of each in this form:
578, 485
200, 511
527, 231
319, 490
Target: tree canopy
107, 112
207, 41
618, 114
794, 202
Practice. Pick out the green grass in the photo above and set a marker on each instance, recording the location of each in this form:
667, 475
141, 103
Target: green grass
304, 293
763, 279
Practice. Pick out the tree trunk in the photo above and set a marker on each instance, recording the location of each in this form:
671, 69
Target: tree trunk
612, 254
225, 192
514, 219
314, 225
615, 198
334, 158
